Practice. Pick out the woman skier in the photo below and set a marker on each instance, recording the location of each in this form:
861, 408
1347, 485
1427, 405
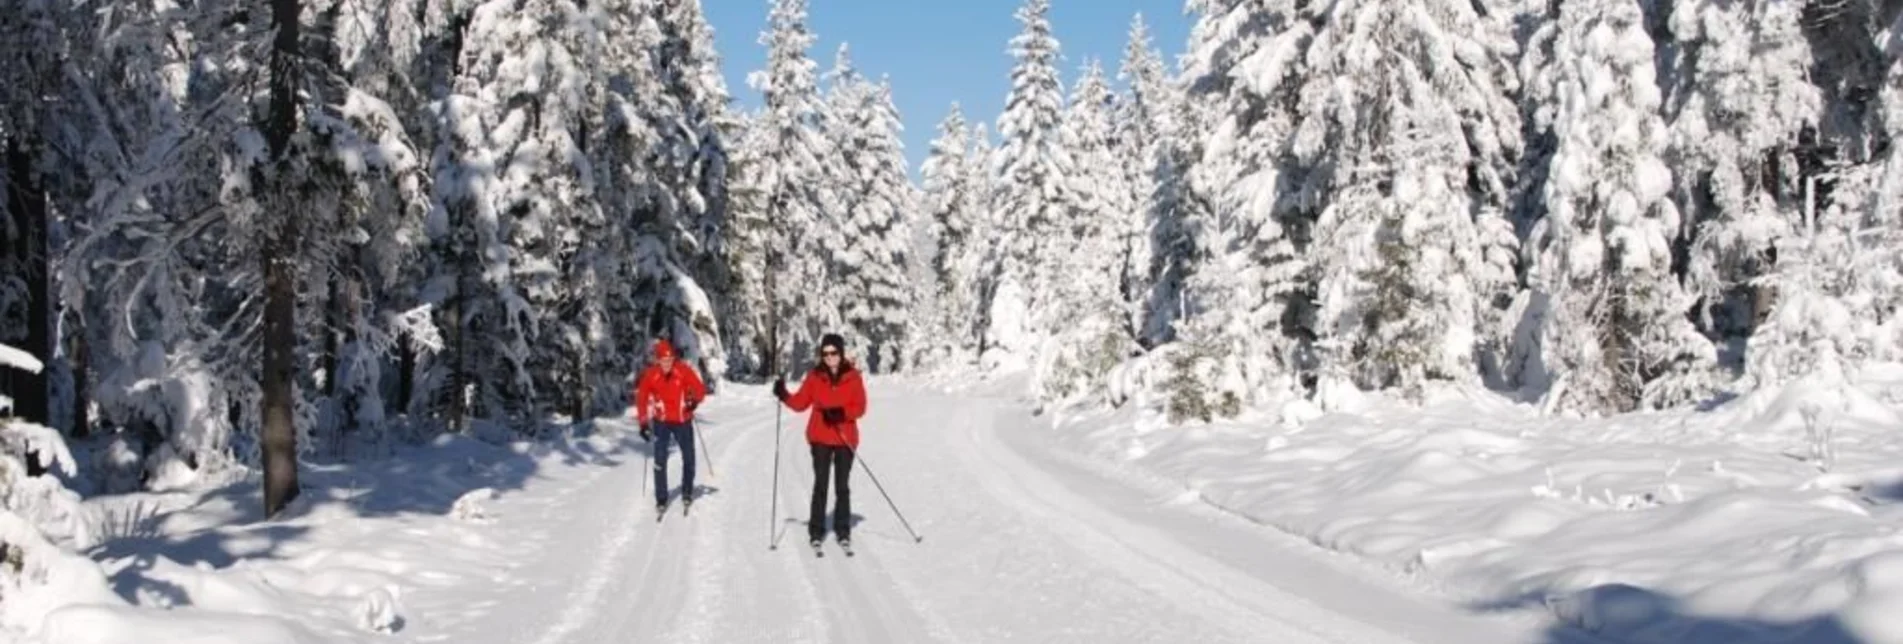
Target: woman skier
837, 395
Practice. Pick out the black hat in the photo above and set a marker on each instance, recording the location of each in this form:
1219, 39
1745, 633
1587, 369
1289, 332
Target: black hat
833, 340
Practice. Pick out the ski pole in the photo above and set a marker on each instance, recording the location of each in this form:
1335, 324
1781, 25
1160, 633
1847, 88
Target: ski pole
703, 449
773, 542
875, 483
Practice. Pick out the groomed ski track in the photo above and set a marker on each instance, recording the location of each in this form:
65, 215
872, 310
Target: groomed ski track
1023, 542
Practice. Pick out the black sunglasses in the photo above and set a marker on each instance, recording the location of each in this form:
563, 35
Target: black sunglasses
828, 352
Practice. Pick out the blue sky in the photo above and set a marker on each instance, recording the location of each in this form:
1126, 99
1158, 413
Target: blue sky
939, 51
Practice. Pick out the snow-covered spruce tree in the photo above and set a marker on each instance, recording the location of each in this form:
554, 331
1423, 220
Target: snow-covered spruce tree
371, 230
635, 150
490, 211
1233, 346
870, 247
1607, 317
1088, 330
985, 256
1172, 205
743, 247
792, 149
954, 206
1146, 136
1407, 136
1744, 66
1033, 196
692, 194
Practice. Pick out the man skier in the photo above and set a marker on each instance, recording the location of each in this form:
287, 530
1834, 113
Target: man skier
838, 397
664, 400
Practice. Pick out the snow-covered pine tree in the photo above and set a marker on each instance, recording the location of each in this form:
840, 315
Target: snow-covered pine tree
506, 177
691, 196
1146, 131
1088, 330
1747, 99
743, 246
984, 257
369, 233
831, 297
628, 149
1234, 347
1607, 316
954, 207
1407, 135
1172, 205
792, 149
1032, 200
871, 262
883, 222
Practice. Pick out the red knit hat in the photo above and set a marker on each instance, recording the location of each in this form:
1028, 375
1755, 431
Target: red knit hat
663, 350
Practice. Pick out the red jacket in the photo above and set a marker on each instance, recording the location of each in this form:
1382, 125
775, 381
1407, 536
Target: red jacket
665, 396
820, 390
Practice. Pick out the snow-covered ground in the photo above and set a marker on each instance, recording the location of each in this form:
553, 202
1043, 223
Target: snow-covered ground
1471, 520
1771, 518
559, 544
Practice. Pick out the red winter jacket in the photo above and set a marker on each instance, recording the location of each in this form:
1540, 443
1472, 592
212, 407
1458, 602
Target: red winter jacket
821, 390
666, 396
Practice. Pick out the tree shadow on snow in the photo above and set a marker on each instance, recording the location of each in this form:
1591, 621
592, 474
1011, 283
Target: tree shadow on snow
1886, 493
227, 524
1629, 614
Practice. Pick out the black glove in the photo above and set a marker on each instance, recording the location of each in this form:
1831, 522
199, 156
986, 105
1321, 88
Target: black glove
692, 405
647, 434
779, 389
833, 415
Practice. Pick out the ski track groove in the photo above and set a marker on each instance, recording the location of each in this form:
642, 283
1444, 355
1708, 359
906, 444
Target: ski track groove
584, 602
1225, 597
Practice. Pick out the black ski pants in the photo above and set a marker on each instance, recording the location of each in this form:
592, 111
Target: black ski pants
834, 462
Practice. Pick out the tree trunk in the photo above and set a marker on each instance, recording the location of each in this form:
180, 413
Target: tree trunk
405, 372
578, 402
27, 205
333, 326
353, 321
32, 399
280, 271
458, 320
82, 384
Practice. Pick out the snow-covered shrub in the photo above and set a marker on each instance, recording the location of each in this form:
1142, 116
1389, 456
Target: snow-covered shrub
41, 522
1075, 362
1201, 384
177, 412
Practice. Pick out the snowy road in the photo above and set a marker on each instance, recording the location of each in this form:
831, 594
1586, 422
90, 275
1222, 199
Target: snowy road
1023, 542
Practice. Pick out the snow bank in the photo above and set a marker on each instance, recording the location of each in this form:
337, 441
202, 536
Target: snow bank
1775, 515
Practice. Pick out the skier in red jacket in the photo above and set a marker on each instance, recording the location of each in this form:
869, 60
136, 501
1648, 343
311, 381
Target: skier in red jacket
664, 402
837, 395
